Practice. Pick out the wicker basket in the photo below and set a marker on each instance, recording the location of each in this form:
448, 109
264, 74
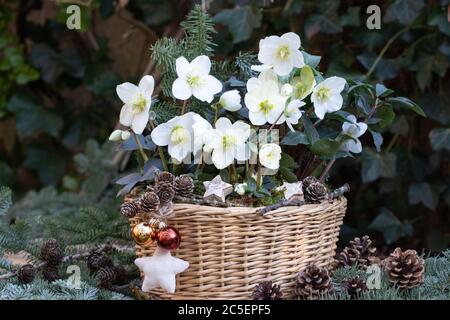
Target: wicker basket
230, 250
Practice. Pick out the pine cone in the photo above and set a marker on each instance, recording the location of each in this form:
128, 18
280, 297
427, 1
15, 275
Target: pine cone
308, 181
165, 192
164, 177
121, 275
97, 260
361, 251
129, 209
26, 273
50, 273
405, 268
315, 193
149, 202
267, 291
184, 186
312, 282
354, 286
106, 277
51, 253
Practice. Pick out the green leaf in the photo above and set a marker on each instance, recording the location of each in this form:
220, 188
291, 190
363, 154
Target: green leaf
391, 227
404, 11
440, 138
406, 103
5, 199
325, 147
439, 19
240, 21
423, 193
311, 60
31, 118
49, 165
310, 131
377, 139
382, 91
319, 23
287, 161
294, 138
352, 17
384, 116
376, 165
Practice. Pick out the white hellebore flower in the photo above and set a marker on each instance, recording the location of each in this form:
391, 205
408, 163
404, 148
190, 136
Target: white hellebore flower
137, 101
354, 130
194, 80
293, 113
286, 89
177, 134
264, 101
125, 135
270, 155
239, 188
327, 97
230, 100
228, 142
283, 53
115, 136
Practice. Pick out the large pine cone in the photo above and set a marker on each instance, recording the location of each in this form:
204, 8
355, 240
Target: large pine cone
315, 193
308, 181
97, 260
354, 286
129, 209
50, 273
361, 251
26, 273
121, 275
267, 291
163, 177
184, 186
106, 277
405, 268
51, 253
312, 282
149, 202
165, 192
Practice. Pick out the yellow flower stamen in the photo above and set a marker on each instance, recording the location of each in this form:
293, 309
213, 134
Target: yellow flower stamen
283, 52
178, 135
139, 104
323, 93
265, 106
193, 80
228, 141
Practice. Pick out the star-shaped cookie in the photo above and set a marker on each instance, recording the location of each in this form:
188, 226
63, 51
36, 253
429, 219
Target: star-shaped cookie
160, 270
293, 191
216, 189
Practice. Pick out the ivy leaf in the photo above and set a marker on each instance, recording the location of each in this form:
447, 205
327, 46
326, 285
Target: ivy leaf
352, 17
439, 19
31, 118
287, 166
319, 23
376, 165
423, 193
311, 60
5, 199
390, 226
325, 147
311, 133
440, 138
385, 115
406, 103
382, 91
377, 139
240, 21
404, 11
294, 138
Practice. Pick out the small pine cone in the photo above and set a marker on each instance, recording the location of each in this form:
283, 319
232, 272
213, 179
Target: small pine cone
97, 260
405, 268
106, 277
26, 273
184, 186
129, 209
149, 202
163, 177
267, 291
121, 275
361, 251
315, 193
50, 273
354, 286
308, 181
51, 253
165, 192
312, 282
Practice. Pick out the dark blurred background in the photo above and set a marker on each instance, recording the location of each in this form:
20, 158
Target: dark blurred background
57, 97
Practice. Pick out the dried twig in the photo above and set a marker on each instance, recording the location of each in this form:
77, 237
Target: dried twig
201, 201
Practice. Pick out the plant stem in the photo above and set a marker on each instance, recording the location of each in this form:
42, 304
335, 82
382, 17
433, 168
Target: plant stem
327, 168
183, 108
275, 122
216, 112
258, 175
140, 148
385, 48
392, 142
160, 151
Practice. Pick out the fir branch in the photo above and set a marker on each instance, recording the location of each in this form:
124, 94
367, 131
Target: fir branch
5, 200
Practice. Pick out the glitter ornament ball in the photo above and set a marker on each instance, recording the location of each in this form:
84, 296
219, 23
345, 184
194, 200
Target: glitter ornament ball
168, 238
143, 233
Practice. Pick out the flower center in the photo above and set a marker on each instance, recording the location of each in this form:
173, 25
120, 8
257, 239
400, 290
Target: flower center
178, 135
265, 106
300, 89
139, 104
283, 52
193, 80
323, 93
228, 141
352, 130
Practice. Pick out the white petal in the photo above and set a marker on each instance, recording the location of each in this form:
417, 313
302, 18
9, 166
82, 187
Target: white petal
262, 67
253, 84
362, 128
181, 90
319, 110
351, 118
140, 121
115, 135
257, 118
337, 84
127, 92
293, 39
223, 124
242, 152
268, 75
146, 85
126, 115
252, 102
161, 134
283, 68
243, 128
202, 63
355, 146
178, 152
221, 158
182, 66
297, 59
335, 102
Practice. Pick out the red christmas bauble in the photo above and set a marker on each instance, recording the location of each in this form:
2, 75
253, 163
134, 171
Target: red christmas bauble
168, 238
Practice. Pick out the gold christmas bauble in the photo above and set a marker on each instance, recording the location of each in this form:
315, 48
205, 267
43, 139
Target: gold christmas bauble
143, 233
